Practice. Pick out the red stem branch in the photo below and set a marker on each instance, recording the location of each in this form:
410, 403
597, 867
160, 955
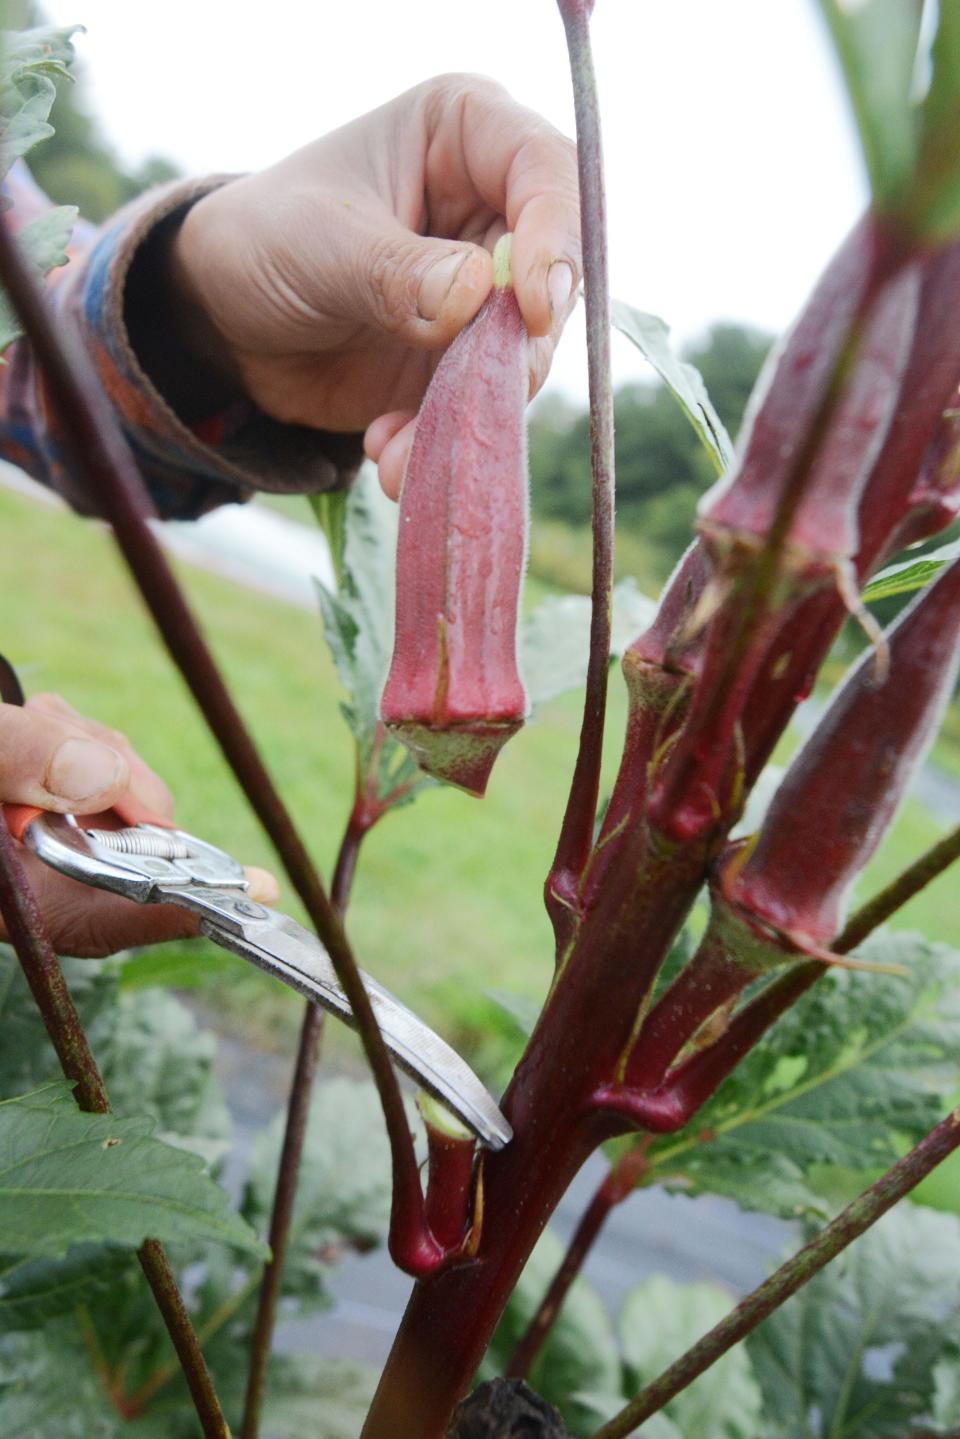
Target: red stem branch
576, 834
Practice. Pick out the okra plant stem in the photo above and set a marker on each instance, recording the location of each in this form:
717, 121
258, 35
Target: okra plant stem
576, 834
619, 1181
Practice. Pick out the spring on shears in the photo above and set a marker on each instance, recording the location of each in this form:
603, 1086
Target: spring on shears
139, 842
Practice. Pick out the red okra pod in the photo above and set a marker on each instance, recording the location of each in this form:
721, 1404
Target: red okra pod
454, 694
842, 790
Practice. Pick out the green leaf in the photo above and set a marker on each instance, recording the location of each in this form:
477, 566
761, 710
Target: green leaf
876, 44
33, 1291
30, 61
651, 336
154, 1058
26, 1055
579, 1354
854, 1354
72, 1178
862, 1066
343, 1195
909, 575
330, 510
327, 1399
555, 638
48, 1389
188, 964
156, 1061
658, 1323
358, 624
43, 242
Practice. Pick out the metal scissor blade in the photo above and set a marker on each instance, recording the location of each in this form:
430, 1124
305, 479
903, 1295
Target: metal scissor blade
285, 949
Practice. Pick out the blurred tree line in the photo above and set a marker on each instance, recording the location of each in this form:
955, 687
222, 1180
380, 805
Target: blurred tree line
662, 468
78, 165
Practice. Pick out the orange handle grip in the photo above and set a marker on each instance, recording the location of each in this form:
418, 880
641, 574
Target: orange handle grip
18, 816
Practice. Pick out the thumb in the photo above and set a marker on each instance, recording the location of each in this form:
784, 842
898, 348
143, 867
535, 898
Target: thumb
420, 290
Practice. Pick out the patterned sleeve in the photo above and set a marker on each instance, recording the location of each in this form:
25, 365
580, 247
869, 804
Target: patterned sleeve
188, 468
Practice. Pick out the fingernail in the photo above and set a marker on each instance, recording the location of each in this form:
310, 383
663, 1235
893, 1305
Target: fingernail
559, 287
437, 284
81, 769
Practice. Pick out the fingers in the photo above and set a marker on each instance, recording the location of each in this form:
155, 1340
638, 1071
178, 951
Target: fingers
416, 289
90, 923
53, 757
263, 886
387, 442
527, 171
56, 764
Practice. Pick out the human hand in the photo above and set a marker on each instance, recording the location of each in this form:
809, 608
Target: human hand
327, 286
58, 760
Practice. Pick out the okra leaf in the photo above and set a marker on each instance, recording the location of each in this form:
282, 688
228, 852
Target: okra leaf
155, 1059
70, 1178
327, 1399
859, 1068
876, 44
580, 1352
555, 639
30, 61
650, 334
43, 242
909, 575
358, 625
659, 1321
343, 1194
856, 1351
33, 1291
49, 1390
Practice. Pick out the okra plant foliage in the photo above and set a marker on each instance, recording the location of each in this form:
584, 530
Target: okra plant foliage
770, 1049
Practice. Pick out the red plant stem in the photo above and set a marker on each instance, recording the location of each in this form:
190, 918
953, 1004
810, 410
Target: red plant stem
576, 833
43, 974
913, 879
96, 450
849, 1224
585, 1027
692, 1083
291, 1154
620, 1181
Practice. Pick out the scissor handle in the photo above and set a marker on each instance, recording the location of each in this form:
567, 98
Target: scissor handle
126, 811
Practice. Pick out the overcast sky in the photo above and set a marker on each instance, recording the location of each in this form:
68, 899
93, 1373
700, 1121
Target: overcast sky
732, 169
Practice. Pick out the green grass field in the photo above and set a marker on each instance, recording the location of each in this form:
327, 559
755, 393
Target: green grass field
447, 903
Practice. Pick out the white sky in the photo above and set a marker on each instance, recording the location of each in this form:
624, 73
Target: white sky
732, 169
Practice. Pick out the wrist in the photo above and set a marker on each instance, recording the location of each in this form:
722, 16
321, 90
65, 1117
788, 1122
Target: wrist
171, 333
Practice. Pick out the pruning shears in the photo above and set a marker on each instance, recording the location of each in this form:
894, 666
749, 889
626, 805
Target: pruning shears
153, 864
